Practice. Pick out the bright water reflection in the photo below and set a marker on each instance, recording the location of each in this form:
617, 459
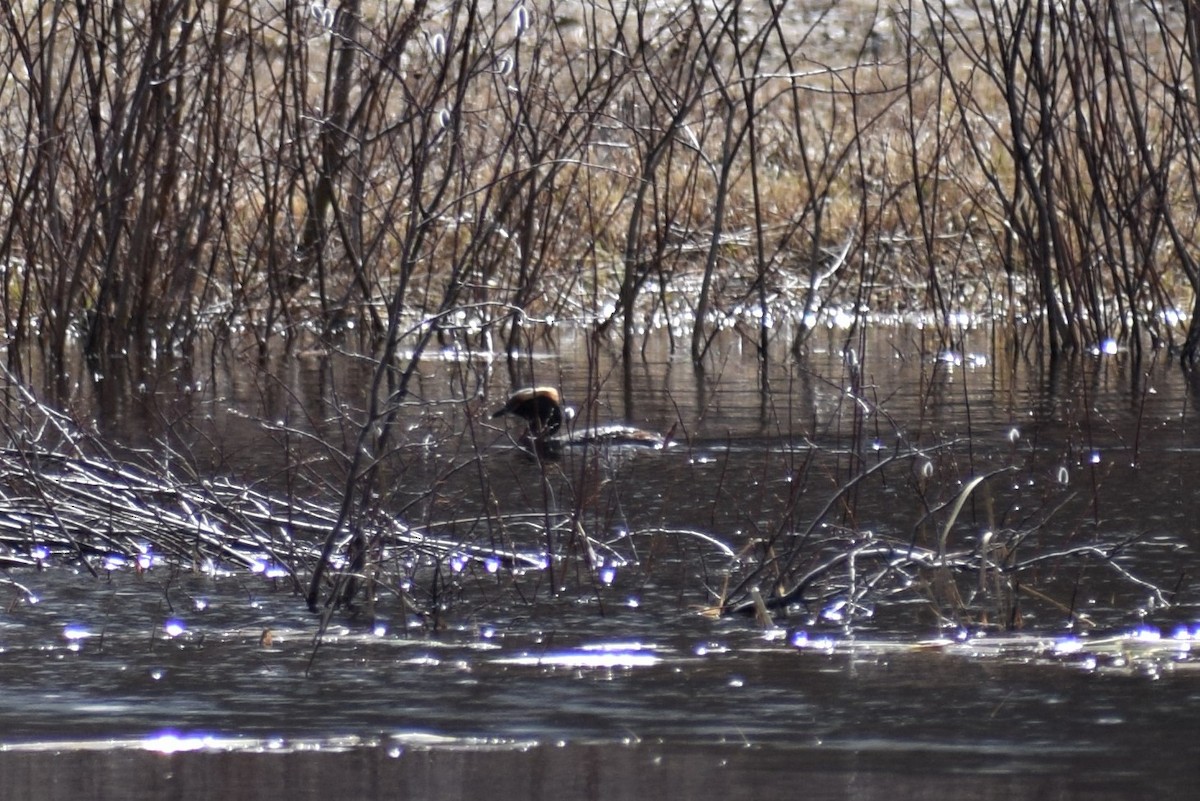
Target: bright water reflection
924, 714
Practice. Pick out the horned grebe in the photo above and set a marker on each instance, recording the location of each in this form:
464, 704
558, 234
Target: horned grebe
542, 409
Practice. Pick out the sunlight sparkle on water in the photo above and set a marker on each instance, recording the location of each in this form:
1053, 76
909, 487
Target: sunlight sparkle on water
801, 640
268, 569
949, 357
1146, 634
599, 655
617, 647
955, 359
169, 742
75, 633
1186, 633
835, 611
843, 318
174, 627
1068, 645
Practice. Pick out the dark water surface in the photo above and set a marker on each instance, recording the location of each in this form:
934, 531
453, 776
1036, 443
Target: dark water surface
159, 684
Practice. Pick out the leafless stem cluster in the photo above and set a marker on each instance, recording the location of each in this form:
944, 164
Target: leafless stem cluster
421, 174
174, 167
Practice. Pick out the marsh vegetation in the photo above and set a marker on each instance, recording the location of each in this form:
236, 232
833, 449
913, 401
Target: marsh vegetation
463, 171
390, 185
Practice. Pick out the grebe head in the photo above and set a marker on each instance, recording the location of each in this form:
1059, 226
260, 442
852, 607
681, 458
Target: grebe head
540, 407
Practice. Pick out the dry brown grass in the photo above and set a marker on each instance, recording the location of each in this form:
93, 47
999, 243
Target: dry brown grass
181, 165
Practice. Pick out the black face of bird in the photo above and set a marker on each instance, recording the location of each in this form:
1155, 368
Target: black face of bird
540, 407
